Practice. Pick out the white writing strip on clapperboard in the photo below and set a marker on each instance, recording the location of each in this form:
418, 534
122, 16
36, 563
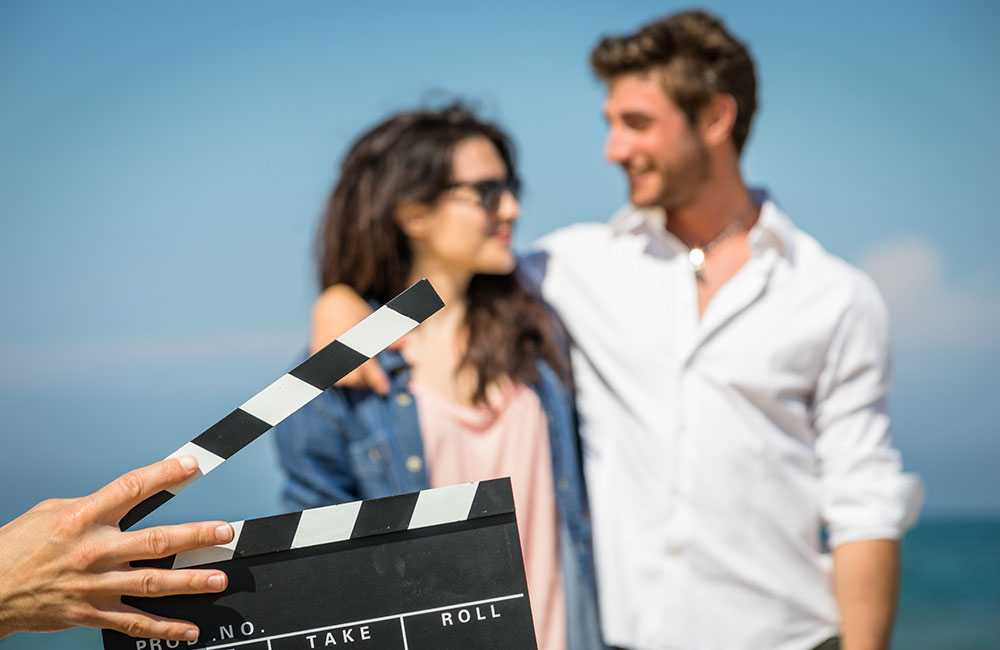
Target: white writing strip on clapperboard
298, 387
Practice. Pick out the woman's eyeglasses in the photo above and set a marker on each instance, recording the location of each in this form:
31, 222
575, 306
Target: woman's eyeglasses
489, 190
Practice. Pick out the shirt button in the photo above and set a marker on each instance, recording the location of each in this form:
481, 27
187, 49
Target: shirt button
404, 399
374, 455
414, 464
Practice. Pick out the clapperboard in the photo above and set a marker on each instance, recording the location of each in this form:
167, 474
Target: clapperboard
438, 569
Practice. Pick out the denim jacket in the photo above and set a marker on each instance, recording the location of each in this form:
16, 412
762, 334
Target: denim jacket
348, 445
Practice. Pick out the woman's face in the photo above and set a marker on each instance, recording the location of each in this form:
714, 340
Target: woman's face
469, 226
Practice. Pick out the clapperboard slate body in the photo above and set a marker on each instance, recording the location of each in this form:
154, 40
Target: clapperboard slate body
434, 570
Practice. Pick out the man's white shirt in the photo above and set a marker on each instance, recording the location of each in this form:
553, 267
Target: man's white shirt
715, 448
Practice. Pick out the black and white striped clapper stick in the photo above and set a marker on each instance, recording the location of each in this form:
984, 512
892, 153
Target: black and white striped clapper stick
352, 521
298, 387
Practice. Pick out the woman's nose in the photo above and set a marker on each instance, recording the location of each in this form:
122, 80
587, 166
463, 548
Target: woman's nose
509, 208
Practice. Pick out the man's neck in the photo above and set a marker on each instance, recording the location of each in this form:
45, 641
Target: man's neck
711, 211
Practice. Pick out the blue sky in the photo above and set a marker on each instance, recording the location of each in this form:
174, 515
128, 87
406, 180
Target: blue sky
162, 167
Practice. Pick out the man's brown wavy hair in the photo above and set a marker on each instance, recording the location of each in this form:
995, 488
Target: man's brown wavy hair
407, 158
695, 57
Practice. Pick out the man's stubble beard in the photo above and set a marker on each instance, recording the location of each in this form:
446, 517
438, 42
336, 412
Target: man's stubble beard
682, 184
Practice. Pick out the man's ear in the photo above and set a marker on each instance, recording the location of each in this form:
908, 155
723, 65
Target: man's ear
412, 219
716, 119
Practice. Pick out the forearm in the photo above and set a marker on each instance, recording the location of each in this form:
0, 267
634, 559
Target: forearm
866, 584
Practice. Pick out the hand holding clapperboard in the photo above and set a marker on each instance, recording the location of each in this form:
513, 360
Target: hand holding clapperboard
438, 569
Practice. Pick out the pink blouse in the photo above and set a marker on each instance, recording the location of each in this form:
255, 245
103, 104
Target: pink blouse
508, 438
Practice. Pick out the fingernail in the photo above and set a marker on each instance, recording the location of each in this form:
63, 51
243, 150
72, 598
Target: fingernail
188, 462
217, 582
224, 533
191, 635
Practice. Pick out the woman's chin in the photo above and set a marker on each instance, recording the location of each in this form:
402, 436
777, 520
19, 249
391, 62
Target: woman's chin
499, 266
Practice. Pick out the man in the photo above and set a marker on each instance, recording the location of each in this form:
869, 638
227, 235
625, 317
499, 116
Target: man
731, 379
65, 563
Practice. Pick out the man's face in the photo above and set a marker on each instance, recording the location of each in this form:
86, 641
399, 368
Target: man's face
661, 154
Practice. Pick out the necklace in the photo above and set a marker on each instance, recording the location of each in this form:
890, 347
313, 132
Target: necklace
697, 254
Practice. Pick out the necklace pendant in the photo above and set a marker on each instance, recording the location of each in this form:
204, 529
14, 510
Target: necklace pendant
697, 258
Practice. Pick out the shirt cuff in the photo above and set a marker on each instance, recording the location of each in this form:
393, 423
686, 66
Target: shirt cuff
879, 509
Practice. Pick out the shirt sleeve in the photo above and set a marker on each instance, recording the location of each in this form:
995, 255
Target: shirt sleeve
864, 492
313, 451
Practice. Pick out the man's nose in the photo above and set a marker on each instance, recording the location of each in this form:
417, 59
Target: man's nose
616, 149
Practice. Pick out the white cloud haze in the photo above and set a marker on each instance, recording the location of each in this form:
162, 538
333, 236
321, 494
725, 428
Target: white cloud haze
926, 306
34, 362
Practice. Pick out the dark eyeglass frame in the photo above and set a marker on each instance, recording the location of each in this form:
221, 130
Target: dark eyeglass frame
490, 191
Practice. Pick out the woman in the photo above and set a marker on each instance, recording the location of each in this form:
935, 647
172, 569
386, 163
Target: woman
478, 390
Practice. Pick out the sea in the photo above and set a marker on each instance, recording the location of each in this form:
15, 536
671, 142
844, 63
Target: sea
949, 599
950, 593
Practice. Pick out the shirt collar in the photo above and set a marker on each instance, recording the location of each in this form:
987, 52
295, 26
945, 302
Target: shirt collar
772, 230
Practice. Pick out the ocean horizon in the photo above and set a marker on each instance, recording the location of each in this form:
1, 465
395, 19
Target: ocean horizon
949, 598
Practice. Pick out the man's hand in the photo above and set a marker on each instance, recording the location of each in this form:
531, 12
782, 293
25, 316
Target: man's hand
866, 583
337, 310
65, 563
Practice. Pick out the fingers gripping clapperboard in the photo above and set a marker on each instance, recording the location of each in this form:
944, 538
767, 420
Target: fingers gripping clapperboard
438, 569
